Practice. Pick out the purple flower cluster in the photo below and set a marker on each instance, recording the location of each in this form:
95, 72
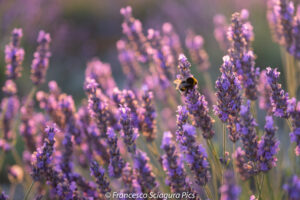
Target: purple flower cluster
173, 165
195, 44
14, 55
245, 169
116, 163
268, 147
247, 129
220, 31
195, 154
99, 174
133, 29
294, 110
148, 115
265, 92
129, 132
40, 63
229, 190
240, 35
228, 97
292, 188
146, 178
285, 23
131, 184
279, 98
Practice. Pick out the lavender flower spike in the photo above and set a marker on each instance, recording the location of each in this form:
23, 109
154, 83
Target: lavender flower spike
229, 98
268, 147
147, 115
129, 132
265, 93
14, 55
42, 158
195, 45
294, 110
116, 163
195, 102
3, 196
279, 97
220, 31
133, 29
146, 178
285, 12
247, 130
98, 173
196, 155
173, 165
229, 190
130, 182
245, 168
40, 62
295, 46
228, 93
292, 188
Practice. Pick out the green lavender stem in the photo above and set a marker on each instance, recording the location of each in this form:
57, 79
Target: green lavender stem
29, 190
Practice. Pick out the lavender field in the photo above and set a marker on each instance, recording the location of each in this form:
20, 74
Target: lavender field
150, 100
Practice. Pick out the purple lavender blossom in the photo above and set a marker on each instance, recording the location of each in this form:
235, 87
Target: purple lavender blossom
240, 34
228, 93
173, 165
130, 66
195, 102
279, 97
265, 92
129, 132
98, 108
182, 118
148, 115
220, 31
171, 39
161, 55
116, 163
101, 73
285, 12
3, 196
145, 176
229, 189
9, 109
131, 101
245, 167
133, 29
14, 55
99, 174
268, 147
67, 106
129, 179
42, 158
228, 98
292, 188
28, 127
294, 49
40, 63
249, 74
195, 154
195, 45
247, 129
294, 111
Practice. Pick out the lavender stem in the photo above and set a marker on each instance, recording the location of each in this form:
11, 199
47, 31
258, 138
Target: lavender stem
29, 190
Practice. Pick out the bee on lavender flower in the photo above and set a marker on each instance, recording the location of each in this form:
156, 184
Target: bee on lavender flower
184, 85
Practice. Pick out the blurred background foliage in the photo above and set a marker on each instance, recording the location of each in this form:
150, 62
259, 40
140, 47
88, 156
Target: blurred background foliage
83, 29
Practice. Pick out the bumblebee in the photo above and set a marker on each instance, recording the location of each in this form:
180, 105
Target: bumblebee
186, 84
